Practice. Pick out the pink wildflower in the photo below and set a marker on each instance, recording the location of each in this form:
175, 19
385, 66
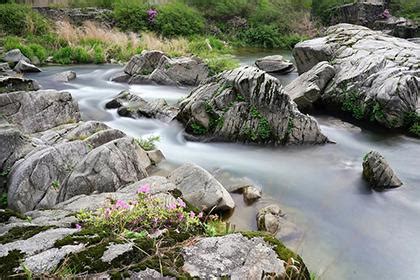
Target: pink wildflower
172, 206
78, 226
181, 203
200, 215
121, 204
144, 189
192, 214
107, 213
181, 216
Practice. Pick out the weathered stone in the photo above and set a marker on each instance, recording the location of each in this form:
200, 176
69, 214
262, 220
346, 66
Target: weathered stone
65, 76
377, 76
113, 251
37, 243
35, 181
13, 83
246, 105
252, 193
378, 173
268, 218
155, 156
275, 64
48, 260
232, 256
121, 78
39, 110
308, 87
149, 274
23, 67
130, 105
398, 27
107, 168
14, 56
144, 63
200, 188
189, 71
157, 184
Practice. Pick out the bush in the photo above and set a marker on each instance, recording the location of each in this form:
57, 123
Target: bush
79, 54
263, 36
39, 51
220, 64
177, 18
224, 9
131, 15
20, 20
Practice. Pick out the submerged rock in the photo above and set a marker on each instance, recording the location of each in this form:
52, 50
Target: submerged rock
233, 256
65, 76
36, 111
130, 105
377, 76
23, 67
378, 173
246, 105
200, 188
275, 64
308, 87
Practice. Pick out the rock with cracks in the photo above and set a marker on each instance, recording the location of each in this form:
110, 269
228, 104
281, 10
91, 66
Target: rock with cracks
377, 76
246, 105
378, 173
234, 257
200, 188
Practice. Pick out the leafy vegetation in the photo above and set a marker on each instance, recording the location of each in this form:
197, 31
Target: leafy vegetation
148, 144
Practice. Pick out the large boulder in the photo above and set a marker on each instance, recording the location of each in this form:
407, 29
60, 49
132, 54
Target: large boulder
275, 64
107, 168
200, 188
22, 67
308, 87
234, 257
377, 76
154, 67
130, 105
246, 105
13, 83
14, 56
189, 71
36, 181
39, 110
144, 63
378, 173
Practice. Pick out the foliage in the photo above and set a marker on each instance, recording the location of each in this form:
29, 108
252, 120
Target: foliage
20, 20
198, 129
131, 15
3, 201
406, 8
178, 19
352, 105
324, 9
412, 123
221, 63
143, 217
148, 144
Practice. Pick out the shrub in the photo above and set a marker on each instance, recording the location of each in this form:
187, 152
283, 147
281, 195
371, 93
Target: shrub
39, 51
224, 9
148, 144
177, 18
220, 64
20, 20
264, 36
63, 56
80, 54
131, 15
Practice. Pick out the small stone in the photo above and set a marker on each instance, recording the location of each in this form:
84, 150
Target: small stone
378, 173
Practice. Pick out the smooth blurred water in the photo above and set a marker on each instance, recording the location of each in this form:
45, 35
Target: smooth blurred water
350, 232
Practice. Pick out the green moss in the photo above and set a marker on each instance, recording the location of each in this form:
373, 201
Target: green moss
3, 204
283, 253
22, 233
88, 236
352, 105
198, 129
6, 214
9, 263
412, 123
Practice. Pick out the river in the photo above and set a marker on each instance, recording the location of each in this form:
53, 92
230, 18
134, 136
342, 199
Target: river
349, 231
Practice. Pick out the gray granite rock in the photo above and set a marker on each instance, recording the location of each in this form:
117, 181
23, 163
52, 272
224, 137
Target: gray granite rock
11, 83
275, 64
232, 256
14, 56
200, 188
65, 76
246, 105
113, 251
26, 67
378, 173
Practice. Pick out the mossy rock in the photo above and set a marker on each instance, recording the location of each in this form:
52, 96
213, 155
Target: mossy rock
6, 214
283, 253
87, 236
9, 263
22, 233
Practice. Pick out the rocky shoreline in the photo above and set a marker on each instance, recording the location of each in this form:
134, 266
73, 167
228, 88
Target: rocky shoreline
58, 170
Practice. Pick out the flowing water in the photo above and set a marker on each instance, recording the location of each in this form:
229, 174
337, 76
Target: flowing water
349, 231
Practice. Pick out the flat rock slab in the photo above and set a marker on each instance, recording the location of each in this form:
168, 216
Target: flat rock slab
232, 256
275, 64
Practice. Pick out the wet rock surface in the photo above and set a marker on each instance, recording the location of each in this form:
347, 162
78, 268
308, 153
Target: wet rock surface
275, 64
246, 105
378, 172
